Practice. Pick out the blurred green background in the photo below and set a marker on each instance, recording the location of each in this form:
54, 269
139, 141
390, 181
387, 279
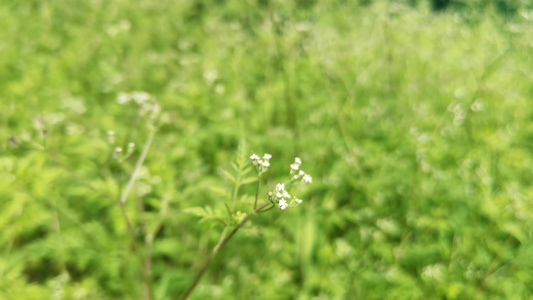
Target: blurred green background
413, 117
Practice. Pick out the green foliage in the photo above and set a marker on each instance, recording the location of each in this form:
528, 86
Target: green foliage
415, 126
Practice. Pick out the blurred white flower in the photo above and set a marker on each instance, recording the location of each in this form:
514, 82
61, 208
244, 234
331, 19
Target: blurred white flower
280, 197
254, 158
210, 76
261, 165
140, 97
283, 204
123, 98
308, 178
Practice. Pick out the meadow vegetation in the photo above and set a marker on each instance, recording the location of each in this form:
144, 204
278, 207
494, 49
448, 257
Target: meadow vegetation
414, 120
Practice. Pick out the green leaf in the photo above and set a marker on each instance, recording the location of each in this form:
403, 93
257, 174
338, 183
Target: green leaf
248, 180
228, 176
220, 191
197, 211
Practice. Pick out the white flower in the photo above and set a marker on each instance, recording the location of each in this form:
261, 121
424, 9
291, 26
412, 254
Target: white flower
302, 172
123, 98
267, 156
255, 159
297, 160
283, 204
308, 178
295, 167
265, 163
285, 194
280, 187
210, 76
140, 97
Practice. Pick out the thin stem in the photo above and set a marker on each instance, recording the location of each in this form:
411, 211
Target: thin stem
144, 264
147, 264
138, 166
136, 248
257, 192
266, 209
217, 248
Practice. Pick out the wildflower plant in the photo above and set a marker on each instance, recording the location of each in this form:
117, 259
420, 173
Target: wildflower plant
148, 111
279, 197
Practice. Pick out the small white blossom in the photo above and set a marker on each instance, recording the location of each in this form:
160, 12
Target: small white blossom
261, 165
308, 178
255, 159
283, 204
123, 98
111, 138
279, 196
211, 76
140, 97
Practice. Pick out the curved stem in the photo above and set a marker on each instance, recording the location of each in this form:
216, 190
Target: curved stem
266, 209
217, 248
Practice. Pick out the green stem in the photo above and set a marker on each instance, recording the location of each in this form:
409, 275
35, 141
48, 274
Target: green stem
266, 209
217, 248
138, 166
136, 249
257, 192
145, 264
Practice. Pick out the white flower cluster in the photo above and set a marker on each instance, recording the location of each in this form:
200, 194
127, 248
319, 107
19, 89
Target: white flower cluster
298, 174
148, 106
280, 197
139, 97
261, 165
